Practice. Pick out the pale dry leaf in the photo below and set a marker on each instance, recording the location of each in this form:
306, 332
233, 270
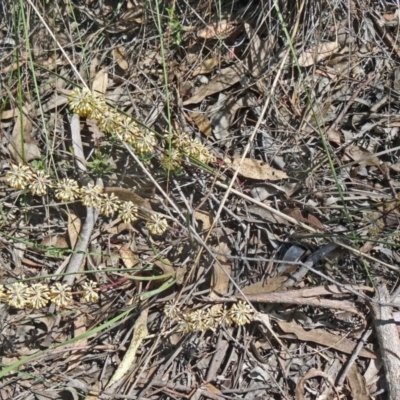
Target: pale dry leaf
55, 102
206, 66
202, 122
128, 195
100, 82
57, 241
220, 29
74, 228
166, 269
93, 66
324, 338
22, 146
372, 372
8, 114
18, 250
205, 217
334, 136
265, 215
256, 169
223, 112
357, 384
362, 156
259, 50
75, 358
395, 167
226, 78
46, 322
139, 334
191, 58
221, 116
309, 220
270, 285
221, 271
317, 53
9, 360
129, 258
120, 57
212, 389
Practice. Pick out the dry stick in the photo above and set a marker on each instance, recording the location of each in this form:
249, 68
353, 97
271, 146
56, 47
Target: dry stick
91, 214
388, 341
362, 342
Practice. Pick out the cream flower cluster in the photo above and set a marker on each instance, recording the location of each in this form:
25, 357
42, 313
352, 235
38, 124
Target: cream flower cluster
183, 144
38, 183
202, 320
38, 295
84, 103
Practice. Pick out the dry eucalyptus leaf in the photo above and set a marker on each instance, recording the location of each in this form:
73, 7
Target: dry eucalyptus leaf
317, 53
259, 50
139, 334
221, 271
310, 220
205, 217
8, 114
226, 78
128, 195
219, 29
58, 241
206, 66
100, 82
120, 57
129, 258
54, 102
265, 215
261, 193
362, 156
256, 169
270, 285
357, 384
22, 146
74, 228
324, 338
202, 122
222, 114
334, 136
80, 322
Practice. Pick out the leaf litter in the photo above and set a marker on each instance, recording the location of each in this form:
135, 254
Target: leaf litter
322, 172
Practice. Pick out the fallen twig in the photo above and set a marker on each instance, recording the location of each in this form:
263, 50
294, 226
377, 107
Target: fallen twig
388, 340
